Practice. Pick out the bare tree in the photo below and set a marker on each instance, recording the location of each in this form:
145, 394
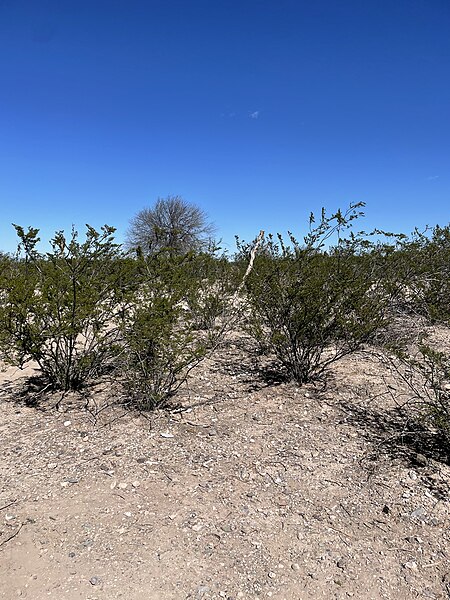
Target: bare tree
172, 223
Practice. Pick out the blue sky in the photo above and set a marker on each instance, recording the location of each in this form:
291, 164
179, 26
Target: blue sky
258, 111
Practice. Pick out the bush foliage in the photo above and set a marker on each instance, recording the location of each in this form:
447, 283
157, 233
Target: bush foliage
161, 332
58, 309
311, 303
86, 308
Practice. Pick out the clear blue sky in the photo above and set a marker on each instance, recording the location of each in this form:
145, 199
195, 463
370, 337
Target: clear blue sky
258, 111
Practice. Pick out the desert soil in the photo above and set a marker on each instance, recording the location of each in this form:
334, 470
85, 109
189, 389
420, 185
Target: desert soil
256, 489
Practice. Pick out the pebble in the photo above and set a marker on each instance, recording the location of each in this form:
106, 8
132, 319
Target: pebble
295, 567
420, 460
122, 485
341, 563
136, 484
201, 590
67, 423
95, 580
411, 564
419, 512
271, 574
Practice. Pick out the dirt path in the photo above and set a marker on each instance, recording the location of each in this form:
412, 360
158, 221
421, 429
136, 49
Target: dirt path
269, 491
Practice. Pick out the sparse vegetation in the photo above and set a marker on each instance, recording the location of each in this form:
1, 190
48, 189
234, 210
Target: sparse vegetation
311, 304
58, 309
150, 317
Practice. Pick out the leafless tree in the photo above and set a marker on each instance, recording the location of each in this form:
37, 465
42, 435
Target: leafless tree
172, 223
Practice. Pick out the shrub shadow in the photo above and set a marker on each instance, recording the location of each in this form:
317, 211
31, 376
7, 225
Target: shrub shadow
396, 434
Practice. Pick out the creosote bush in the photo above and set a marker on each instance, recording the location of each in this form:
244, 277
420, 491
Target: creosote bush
426, 373
161, 334
87, 308
58, 308
311, 304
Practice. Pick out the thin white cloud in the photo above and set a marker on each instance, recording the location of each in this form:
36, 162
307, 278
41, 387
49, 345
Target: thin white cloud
432, 177
254, 115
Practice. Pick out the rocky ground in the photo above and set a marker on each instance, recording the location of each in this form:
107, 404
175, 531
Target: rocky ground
256, 489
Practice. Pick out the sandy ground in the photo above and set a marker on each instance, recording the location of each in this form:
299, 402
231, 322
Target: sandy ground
259, 490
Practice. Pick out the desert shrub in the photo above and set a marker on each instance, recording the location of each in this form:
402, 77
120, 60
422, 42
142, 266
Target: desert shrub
420, 272
58, 308
214, 280
426, 373
161, 336
313, 303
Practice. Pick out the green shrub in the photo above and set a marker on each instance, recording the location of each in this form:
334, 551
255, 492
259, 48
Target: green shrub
427, 376
214, 282
420, 272
161, 336
58, 308
312, 304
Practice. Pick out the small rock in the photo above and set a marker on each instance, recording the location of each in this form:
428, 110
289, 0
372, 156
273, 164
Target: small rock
122, 485
95, 580
271, 574
411, 564
67, 423
386, 509
419, 512
52, 465
341, 563
127, 514
167, 435
136, 484
420, 460
295, 567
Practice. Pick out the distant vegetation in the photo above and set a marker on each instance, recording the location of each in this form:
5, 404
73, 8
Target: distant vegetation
152, 312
